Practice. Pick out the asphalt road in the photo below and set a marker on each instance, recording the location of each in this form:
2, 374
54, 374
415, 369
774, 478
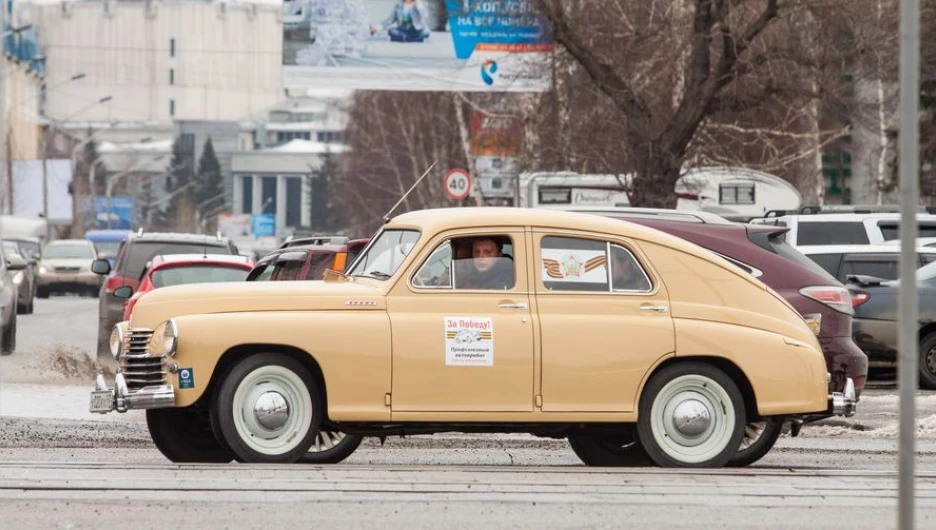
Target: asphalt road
61, 467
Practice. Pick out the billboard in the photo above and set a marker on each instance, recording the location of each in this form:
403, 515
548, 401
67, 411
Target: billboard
424, 45
117, 213
29, 192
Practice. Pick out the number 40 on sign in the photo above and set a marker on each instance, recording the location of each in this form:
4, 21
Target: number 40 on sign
457, 184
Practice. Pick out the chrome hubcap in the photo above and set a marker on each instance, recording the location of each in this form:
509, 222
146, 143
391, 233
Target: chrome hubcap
691, 417
271, 410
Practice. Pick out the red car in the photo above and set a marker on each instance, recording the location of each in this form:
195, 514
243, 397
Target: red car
179, 269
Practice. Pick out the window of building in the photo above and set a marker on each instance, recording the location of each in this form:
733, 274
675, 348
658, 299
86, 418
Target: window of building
285, 136
247, 194
171, 76
293, 201
329, 136
171, 47
172, 107
736, 193
268, 195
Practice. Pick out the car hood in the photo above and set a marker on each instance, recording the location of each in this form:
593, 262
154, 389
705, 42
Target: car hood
164, 303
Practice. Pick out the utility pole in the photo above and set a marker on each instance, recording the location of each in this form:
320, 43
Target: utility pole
4, 143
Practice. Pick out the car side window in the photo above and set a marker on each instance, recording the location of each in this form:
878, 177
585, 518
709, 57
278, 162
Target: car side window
482, 262
287, 270
319, 262
884, 268
574, 264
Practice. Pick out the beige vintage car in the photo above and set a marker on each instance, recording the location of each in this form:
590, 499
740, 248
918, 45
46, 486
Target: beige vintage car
629, 342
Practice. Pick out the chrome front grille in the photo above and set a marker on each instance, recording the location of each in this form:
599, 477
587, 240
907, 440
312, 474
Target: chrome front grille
139, 368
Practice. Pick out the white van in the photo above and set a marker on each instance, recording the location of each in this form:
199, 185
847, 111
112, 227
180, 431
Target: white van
846, 228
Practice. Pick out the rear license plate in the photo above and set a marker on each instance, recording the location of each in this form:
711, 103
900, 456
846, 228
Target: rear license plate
102, 400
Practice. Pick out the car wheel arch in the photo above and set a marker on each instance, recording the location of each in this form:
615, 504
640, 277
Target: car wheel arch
240, 352
731, 369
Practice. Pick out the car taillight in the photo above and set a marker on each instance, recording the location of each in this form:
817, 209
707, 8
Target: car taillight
859, 297
341, 258
838, 298
112, 283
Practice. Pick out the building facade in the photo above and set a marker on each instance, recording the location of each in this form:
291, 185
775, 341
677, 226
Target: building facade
157, 61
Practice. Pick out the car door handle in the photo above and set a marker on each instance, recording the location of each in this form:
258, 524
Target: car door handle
654, 308
513, 306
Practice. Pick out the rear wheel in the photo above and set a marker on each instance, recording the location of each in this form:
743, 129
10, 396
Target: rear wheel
928, 362
8, 340
691, 415
331, 447
605, 450
759, 438
184, 435
268, 408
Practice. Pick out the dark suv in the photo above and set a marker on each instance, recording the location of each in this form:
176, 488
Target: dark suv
307, 258
132, 256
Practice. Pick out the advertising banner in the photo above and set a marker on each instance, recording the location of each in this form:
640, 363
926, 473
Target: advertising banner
29, 193
422, 45
118, 213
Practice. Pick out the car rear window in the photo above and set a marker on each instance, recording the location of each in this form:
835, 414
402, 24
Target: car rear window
831, 233
883, 267
829, 262
775, 242
890, 230
141, 252
185, 274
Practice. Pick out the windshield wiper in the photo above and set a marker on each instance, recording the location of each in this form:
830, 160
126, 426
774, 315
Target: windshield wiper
379, 275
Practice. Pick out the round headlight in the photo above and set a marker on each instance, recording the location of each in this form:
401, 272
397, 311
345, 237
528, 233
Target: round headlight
170, 338
116, 340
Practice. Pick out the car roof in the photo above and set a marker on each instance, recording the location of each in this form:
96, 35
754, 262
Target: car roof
315, 249
690, 216
847, 217
178, 236
859, 249
69, 242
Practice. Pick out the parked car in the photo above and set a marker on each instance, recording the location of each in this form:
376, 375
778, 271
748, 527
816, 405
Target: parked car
305, 261
31, 247
846, 228
564, 325
182, 269
309, 261
880, 261
134, 253
107, 242
24, 277
876, 312
8, 298
66, 268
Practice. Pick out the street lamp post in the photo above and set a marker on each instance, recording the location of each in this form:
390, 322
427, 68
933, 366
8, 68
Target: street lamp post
110, 187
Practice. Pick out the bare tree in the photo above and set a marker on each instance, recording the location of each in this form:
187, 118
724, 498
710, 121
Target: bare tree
394, 137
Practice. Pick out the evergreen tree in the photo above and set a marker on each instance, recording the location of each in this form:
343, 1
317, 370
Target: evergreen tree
179, 183
210, 183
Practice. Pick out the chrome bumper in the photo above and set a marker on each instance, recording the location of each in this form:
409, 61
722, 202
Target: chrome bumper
844, 403
122, 399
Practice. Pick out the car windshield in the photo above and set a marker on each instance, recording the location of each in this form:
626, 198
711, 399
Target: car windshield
927, 273
107, 248
383, 257
28, 248
69, 251
10, 248
183, 274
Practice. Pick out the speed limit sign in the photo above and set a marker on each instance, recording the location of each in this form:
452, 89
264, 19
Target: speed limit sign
457, 184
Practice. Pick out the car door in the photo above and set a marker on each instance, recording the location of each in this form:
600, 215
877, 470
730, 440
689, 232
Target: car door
599, 333
458, 348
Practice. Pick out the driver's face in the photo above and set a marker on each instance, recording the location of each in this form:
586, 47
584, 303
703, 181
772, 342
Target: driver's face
484, 252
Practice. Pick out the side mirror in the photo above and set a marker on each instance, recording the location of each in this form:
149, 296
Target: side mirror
16, 263
36, 256
100, 266
124, 292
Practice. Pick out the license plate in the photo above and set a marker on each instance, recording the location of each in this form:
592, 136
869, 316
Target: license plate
102, 401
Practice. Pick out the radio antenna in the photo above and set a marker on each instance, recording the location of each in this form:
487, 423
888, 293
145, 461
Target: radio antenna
386, 218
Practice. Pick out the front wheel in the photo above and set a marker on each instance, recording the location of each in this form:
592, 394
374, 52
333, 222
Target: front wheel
184, 435
605, 450
268, 409
928, 362
691, 415
331, 447
759, 438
